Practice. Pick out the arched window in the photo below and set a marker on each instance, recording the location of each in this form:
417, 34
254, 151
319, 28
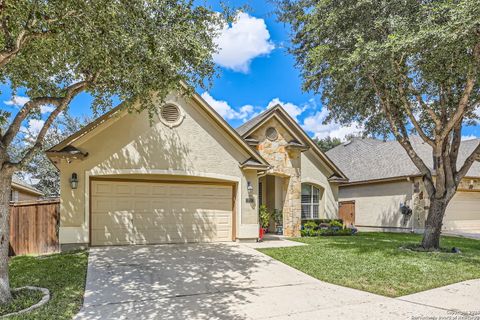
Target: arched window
310, 201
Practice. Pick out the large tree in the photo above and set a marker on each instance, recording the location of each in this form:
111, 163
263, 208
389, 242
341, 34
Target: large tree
402, 68
327, 143
122, 49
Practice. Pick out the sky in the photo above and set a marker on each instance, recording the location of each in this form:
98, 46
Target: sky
255, 72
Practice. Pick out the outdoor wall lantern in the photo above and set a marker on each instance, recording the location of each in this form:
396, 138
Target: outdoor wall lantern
249, 188
74, 181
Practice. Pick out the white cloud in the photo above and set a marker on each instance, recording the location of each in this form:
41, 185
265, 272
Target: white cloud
292, 109
17, 101
35, 125
33, 128
46, 109
469, 137
226, 111
238, 44
334, 130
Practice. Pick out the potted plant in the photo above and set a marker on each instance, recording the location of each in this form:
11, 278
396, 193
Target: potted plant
264, 219
278, 217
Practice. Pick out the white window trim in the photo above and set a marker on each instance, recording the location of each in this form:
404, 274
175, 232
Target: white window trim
311, 204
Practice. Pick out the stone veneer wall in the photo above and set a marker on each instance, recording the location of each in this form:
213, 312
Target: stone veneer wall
421, 203
287, 164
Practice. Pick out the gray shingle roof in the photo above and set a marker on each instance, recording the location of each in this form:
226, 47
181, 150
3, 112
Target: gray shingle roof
244, 128
371, 159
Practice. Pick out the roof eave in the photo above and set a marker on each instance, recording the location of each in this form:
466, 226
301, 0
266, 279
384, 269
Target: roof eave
27, 189
399, 178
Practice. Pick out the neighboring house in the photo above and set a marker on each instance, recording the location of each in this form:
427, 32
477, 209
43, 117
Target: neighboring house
22, 191
384, 184
188, 176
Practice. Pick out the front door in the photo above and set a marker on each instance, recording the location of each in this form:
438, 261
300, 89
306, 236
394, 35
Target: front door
346, 212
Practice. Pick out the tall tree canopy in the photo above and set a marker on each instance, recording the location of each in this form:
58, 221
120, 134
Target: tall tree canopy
399, 67
56, 49
327, 143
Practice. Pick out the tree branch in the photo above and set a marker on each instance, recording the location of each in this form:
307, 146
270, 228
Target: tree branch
464, 100
71, 92
25, 35
411, 116
474, 156
401, 138
28, 107
22, 115
23, 38
455, 146
404, 79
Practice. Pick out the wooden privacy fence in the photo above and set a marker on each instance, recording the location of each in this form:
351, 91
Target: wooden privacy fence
34, 227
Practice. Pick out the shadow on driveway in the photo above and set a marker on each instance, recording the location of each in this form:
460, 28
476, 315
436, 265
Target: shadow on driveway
172, 281
222, 281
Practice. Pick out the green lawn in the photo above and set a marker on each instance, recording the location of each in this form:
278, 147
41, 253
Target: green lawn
63, 274
374, 262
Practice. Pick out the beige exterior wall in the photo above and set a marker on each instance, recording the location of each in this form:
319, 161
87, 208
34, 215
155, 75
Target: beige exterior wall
24, 195
197, 149
377, 205
463, 212
316, 173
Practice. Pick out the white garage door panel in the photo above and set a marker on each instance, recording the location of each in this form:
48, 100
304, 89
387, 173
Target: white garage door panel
463, 212
141, 213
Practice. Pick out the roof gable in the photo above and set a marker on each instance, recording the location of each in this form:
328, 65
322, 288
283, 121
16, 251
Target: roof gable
294, 128
118, 112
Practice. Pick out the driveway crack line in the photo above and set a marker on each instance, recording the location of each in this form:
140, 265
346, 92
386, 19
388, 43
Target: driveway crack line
198, 294
440, 308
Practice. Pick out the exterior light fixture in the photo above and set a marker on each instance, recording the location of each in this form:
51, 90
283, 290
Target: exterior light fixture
74, 181
249, 188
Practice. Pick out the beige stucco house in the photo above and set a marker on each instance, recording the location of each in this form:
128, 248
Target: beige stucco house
188, 176
384, 185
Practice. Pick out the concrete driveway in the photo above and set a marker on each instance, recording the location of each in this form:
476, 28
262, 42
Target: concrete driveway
471, 234
227, 281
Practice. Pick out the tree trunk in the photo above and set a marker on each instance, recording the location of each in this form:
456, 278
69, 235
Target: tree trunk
433, 225
5, 187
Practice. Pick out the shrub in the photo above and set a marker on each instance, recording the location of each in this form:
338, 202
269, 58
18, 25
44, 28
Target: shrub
322, 221
264, 216
308, 233
310, 225
336, 223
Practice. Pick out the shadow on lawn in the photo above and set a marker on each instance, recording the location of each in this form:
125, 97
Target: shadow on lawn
191, 281
391, 244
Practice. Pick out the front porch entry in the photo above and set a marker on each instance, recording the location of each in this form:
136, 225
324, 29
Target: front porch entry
274, 193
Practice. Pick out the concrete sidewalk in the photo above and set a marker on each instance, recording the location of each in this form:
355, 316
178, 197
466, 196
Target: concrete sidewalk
232, 281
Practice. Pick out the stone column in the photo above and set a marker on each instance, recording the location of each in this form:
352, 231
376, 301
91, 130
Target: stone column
292, 214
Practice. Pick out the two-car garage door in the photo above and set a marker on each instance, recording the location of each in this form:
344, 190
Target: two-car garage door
137, 212
463, 212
